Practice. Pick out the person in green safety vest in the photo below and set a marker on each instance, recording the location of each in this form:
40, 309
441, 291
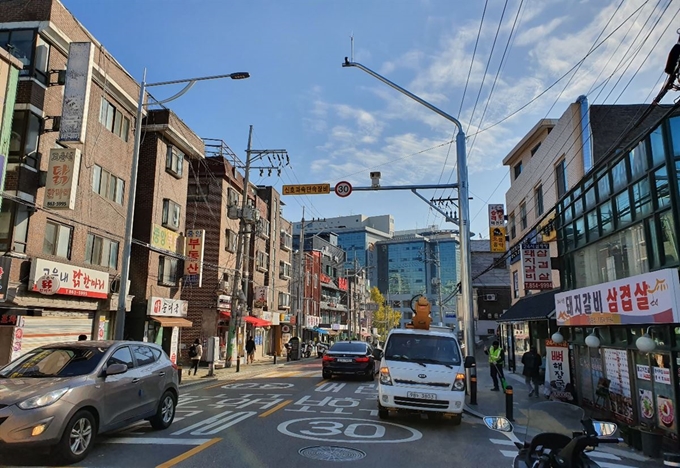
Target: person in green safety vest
495, 354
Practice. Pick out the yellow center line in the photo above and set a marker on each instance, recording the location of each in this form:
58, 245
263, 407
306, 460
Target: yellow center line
322, 382
180, 458
276, 408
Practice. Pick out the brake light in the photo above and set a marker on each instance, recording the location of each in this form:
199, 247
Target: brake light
174, 366
362, 359
328, 358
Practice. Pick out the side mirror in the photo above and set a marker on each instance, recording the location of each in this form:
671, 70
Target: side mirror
496, 423
604, 428
115, 369
470, 362
377, 354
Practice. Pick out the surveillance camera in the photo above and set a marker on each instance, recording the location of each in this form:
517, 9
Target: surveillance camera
375, 179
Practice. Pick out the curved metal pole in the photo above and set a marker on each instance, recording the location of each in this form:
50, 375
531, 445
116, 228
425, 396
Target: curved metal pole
180, 94
464, 206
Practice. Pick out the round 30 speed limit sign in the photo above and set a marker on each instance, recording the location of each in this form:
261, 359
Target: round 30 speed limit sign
343, 189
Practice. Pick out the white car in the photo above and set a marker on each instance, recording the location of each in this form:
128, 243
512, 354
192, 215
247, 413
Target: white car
422, 371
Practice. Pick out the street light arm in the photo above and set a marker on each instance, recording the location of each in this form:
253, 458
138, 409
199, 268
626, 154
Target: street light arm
172, 98
457, 123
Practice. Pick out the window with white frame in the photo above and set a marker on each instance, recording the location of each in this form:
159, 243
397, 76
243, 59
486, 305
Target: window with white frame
284, 300
284, 270
262, 261
167, 271
101, 251
107, 185
286, 241
231, 241
174, 161
265, 226
171, 214
232, 197
113, 119
57, 240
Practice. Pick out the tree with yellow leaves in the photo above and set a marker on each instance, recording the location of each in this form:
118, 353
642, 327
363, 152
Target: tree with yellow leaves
385, 318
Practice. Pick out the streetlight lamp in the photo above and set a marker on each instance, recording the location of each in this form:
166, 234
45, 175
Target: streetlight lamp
127, 241
464, 206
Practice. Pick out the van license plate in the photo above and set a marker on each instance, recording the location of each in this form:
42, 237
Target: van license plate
422, 396
344, 360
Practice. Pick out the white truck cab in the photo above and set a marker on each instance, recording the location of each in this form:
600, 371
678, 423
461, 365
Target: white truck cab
422, 371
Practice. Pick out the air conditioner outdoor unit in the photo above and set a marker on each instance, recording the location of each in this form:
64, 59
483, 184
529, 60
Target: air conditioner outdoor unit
489, 297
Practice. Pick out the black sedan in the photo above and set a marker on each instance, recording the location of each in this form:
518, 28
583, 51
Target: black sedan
350, 358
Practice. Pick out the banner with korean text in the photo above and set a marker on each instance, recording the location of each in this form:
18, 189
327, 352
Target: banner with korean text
557, 364
193, 265
62, 178
536, 266
497, 230
643, 299
48, 278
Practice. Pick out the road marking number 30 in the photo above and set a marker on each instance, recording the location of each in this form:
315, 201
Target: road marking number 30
348, 430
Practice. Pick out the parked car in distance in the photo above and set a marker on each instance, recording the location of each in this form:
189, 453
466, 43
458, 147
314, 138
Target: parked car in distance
63, 395
349, 358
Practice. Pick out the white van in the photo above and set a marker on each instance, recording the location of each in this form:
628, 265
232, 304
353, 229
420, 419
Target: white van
422, 371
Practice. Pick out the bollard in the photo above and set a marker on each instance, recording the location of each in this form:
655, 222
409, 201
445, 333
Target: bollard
508, 403
473, 384
274, 358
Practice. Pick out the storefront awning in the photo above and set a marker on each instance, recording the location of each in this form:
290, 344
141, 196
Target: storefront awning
534, 307
257, 322
173, 322
225, 314
320, 330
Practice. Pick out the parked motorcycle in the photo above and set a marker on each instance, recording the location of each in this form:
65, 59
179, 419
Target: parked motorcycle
558, 435
321, 349
306, 350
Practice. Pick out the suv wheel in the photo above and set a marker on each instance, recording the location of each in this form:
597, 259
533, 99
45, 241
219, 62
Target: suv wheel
165, 413
78, 438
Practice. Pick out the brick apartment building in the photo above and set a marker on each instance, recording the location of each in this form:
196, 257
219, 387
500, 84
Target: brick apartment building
63, 214
157, 266
214, 186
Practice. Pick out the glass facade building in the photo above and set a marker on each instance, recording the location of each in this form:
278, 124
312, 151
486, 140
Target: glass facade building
621, 221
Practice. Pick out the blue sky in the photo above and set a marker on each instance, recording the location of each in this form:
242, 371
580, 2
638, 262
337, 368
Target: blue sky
340, 123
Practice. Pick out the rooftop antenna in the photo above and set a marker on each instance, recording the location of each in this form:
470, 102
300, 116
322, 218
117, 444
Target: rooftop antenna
351, 40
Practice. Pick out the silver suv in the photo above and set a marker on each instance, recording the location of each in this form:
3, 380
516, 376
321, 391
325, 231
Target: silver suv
63, 395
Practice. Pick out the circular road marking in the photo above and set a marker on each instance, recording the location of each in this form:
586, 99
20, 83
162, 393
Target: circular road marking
355, 431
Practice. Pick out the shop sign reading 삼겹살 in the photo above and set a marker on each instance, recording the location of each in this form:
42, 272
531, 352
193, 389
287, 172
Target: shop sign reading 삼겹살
648, 298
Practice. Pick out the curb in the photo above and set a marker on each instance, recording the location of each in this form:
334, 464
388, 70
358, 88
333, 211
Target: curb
471, 412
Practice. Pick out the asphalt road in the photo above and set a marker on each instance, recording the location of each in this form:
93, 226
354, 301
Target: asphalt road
292, 417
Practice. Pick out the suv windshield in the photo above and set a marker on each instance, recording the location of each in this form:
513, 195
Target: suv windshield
430, 349
54, 362
343, 347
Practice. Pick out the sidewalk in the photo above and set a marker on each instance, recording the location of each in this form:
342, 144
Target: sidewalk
493, 404
260, 366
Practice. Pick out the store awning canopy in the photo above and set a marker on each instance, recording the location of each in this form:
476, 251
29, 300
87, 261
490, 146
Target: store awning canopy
320, 331
534, 307
173, 322
225, 314
257, 322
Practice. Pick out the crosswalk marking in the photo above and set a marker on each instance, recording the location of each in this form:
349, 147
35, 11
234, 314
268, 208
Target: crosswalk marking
509, 453
613, 465
502, 442
603, 455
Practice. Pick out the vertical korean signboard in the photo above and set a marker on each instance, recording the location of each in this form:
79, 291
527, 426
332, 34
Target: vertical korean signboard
62, 178
536, 266
193, 265
557, 364
76, 92
497, 230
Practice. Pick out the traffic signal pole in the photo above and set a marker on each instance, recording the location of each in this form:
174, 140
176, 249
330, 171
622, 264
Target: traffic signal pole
464, 208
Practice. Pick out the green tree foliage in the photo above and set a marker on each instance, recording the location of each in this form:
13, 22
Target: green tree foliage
385, 318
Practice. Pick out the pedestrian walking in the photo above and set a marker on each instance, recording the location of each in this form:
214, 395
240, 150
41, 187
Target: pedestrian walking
532, 370
195, 353
250, 349
495, 354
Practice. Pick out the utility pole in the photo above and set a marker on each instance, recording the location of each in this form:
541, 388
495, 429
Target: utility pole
302, 279
248, 217
439, 285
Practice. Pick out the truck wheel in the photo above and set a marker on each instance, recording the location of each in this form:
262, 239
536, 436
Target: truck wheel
456, 419
382, 412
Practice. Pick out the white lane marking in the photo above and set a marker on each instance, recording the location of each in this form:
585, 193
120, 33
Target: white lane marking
606, 456
330, 430
216, 424
153, 441
330, 387
509, 453
502, 442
